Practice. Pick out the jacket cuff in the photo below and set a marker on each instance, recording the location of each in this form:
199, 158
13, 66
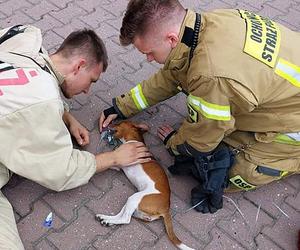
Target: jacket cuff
118, 111
169, 136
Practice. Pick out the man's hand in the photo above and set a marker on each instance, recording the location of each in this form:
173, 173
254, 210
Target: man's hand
164, 132
132, 153
80, 133
105, 121
126, 155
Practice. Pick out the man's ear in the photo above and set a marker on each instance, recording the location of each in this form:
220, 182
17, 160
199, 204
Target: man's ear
173, 39
79, 64
142, 126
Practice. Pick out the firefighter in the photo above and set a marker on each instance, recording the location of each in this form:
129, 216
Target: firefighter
241, 76
35, 141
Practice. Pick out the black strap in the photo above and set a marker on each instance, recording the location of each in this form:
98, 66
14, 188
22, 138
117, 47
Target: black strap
190, 38
196, 34
12, 32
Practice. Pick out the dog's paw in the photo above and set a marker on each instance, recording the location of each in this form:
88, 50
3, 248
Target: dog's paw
104, 220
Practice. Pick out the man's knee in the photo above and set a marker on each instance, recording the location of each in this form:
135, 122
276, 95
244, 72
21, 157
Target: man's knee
246, 176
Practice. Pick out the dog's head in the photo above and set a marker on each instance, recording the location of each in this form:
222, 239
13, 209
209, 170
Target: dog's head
128, 130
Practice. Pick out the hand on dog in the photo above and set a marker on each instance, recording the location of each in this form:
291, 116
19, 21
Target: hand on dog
132, 153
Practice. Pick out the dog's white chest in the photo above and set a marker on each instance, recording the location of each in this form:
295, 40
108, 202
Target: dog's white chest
139, 178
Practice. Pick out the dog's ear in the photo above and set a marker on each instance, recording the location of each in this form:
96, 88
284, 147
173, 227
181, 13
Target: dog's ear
142, 127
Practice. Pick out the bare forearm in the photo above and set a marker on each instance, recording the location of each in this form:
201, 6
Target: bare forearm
105, 161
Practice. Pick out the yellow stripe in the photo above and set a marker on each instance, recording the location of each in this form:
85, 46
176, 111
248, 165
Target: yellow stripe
139, 98
210, 110
288, 71
286, 140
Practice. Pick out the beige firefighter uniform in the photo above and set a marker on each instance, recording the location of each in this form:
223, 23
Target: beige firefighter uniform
242, 86
35, 141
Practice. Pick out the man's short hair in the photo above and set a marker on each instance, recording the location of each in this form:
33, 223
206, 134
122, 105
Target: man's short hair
87, 43
143, 14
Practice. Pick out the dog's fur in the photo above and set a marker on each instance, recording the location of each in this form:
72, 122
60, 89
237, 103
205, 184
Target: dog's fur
152, 200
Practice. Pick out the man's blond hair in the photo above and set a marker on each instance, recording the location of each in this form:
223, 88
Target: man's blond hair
141, 15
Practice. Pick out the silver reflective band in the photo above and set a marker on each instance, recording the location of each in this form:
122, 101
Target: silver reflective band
295, 136
4, 65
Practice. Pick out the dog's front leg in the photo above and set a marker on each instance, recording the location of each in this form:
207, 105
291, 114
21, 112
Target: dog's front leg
124, 216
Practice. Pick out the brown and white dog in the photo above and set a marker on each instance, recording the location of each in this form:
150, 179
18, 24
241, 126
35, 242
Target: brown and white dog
152, 200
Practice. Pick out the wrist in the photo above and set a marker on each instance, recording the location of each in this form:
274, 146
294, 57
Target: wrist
105, 161
66, 118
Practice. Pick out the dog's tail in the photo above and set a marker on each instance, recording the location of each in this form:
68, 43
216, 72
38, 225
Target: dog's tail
172, 236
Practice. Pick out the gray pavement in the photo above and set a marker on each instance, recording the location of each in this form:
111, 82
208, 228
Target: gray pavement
74, 226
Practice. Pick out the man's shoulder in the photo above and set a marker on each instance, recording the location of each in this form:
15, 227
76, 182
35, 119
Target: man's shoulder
26, 41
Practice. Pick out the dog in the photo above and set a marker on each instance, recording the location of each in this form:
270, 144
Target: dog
152, 200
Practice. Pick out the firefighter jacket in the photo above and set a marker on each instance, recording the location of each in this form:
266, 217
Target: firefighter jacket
242, 85
35, 142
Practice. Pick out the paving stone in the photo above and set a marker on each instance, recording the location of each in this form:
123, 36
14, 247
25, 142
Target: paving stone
215, 4
269, 195
285, 231
244, 230
95, 18
75, 24
182, 186
161, 155
114, 198
61, 3
294, 201
294, 181
43, 245
79, 233
133, 58
22, 203
282, 6
292, 15
51, 40
104, 179
105, 31
90, 5
47, 22
113, 76
221, 240
183, 236
200, 224
116, 7
159, 117
264, 242
93, 108
9, 7
40, 9
132, 236
272, 13
66, 202
70, 12
31, 228
144, 73
17, 17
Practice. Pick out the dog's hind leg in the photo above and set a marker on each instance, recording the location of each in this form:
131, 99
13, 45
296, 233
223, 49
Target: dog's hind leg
124, 216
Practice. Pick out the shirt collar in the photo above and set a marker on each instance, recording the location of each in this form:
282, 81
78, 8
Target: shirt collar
60, 78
